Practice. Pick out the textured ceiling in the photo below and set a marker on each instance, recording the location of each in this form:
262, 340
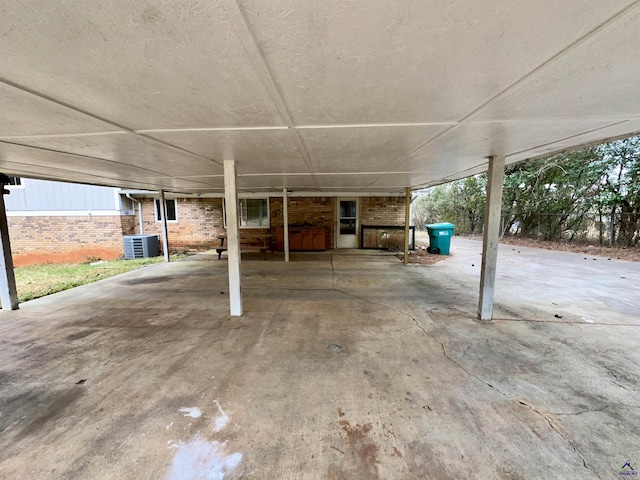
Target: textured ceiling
329, 96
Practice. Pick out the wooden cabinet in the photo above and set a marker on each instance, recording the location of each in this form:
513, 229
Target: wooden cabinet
295, 239
303, 238
319, 239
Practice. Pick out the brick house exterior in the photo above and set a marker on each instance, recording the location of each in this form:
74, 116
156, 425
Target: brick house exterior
200, 220
57, 222
54, 222
67, 239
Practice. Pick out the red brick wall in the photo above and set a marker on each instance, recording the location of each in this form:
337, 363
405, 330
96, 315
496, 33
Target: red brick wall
76, 238
316, 211
69, 239
200, 221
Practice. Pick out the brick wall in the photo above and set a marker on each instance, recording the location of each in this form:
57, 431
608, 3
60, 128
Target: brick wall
387, 211
76, 238
316, 211
73, 239
200, 221
382, 210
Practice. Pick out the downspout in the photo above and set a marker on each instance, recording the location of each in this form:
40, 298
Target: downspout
139, 211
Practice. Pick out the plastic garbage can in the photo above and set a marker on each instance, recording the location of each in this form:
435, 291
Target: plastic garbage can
440, 238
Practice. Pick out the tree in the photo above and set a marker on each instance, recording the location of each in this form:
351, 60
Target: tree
553, 198
620, 187
460, 202
432, 205
549, 198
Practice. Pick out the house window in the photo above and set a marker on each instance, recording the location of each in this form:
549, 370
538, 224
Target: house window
172, 210
15, 182
252, 213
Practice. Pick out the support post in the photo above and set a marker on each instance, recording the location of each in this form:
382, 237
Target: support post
490, 237
8, 291
163, 220
407, 224
233, 237
285, 216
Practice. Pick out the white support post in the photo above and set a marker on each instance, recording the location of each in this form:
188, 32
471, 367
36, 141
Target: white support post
8, 291
490, 237
285, 217
233, 237
163, 220
407, 224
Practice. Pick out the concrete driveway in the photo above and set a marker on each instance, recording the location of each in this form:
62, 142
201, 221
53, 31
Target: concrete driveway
343, 367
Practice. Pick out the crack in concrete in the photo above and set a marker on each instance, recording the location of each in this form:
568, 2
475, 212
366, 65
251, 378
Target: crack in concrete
429, 334
333, 273
584, 463
575, 413
446, 355
621, 386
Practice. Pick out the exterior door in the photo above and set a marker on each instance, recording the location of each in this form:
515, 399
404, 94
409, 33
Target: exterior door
348, 223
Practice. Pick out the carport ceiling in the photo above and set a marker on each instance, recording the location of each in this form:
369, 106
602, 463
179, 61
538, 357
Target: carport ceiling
332, 95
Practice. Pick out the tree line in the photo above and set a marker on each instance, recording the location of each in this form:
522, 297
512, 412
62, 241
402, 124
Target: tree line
588, 194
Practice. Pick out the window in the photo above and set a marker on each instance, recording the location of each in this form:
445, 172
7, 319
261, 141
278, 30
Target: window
15, 182
172, 210
252, 213
348, 217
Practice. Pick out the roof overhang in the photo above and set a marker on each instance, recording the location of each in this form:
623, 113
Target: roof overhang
327, 97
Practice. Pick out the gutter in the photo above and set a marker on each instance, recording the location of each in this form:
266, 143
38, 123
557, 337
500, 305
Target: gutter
139, 211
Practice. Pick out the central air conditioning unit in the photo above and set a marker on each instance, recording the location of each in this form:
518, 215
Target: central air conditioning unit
140, 246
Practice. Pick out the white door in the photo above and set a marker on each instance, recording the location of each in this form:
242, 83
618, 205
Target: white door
348, 223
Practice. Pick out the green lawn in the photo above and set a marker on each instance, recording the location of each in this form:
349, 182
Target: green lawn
39, 280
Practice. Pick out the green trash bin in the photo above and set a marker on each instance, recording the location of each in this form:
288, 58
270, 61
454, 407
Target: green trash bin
440, 238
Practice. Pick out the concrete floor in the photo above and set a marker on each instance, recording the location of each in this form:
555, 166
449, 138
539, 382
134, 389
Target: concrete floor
342, 367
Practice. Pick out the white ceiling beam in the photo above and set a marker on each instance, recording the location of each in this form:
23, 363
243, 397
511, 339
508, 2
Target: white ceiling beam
95, 116
610, 22
241, 26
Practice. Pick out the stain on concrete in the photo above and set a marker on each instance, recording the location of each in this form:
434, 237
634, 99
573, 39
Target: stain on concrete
428, 463
147, 280
336, 347
397, 453
356, 436
193, 412
199, 459
222, 420
335, 473
40, 409
79, 335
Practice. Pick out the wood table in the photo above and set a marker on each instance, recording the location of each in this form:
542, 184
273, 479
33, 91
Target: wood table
260, 242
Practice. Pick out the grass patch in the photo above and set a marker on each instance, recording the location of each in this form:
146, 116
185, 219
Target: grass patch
39, 280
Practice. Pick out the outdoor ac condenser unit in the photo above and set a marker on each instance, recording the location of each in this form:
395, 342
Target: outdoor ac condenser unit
140, 246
